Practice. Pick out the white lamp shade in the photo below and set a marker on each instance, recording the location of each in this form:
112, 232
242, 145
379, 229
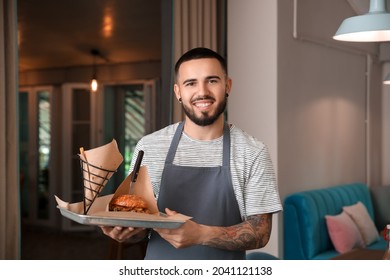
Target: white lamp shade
371, 27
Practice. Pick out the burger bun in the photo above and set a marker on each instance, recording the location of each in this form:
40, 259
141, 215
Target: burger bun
129, 203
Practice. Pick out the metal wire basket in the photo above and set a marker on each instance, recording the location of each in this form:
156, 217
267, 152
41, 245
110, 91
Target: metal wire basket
94, 180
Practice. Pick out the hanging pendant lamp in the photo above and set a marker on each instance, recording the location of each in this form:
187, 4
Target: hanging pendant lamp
373, 26
94, 83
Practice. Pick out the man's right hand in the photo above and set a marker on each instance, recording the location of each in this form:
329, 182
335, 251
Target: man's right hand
122, 234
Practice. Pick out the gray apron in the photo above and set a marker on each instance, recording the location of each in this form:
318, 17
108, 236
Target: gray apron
204, 193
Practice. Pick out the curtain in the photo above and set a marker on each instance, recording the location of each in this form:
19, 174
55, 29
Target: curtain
195, 25
9, 163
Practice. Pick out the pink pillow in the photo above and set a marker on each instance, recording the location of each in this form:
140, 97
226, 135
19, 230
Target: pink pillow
343, 232
359, 214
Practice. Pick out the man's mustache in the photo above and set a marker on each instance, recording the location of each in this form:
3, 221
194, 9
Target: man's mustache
203, 98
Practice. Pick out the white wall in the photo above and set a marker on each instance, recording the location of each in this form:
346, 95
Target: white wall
386, 128
322, 98
314, 101
252, 57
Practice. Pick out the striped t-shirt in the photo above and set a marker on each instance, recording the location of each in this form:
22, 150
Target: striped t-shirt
253, 176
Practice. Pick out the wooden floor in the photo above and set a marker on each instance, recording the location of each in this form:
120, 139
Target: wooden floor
48, 244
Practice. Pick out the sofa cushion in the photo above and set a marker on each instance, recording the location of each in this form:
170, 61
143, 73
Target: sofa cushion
358, 213
344, 233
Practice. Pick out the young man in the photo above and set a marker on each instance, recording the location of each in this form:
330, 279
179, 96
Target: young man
209, 170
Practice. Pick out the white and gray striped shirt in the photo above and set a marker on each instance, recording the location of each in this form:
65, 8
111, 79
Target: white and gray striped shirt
253, 176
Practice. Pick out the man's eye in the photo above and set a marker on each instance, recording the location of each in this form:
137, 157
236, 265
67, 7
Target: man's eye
213, 81
189, 84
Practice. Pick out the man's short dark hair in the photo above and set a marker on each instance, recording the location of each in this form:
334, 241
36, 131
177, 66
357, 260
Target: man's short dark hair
198, 53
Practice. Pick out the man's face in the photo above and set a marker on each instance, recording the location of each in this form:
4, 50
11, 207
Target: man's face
202, 85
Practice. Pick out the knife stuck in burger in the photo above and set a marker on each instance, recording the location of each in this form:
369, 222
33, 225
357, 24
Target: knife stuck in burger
131, 202
137, 166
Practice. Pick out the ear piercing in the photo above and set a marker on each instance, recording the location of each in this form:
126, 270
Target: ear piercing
179, 99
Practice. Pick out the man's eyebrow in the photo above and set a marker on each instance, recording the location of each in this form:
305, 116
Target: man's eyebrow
189, 81
213, 77
207, 78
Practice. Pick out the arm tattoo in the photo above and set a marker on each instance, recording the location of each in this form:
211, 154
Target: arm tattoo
251, 234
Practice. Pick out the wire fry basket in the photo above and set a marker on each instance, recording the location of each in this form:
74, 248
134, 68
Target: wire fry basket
94, 179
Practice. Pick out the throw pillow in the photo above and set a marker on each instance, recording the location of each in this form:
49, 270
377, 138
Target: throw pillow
343, 232
359, 214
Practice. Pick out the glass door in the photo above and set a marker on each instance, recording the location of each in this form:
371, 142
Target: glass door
35, 124
129, 113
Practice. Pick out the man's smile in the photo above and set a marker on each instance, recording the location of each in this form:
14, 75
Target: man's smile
203, 103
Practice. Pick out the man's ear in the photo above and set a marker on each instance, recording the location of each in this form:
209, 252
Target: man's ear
228, 86
176, 89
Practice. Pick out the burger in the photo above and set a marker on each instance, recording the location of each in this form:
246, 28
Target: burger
129, 203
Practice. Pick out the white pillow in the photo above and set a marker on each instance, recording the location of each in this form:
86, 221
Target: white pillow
359, 214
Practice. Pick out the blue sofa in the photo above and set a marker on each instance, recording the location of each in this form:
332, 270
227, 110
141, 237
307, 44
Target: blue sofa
305, 230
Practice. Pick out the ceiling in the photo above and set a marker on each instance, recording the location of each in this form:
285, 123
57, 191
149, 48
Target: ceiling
62, 33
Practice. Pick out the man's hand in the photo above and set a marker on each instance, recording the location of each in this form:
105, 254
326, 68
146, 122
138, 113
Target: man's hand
253, 233
121, 234
186, 235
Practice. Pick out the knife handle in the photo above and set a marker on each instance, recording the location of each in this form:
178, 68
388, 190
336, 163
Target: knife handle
137, 166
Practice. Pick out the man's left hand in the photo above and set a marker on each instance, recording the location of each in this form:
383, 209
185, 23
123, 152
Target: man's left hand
184, 236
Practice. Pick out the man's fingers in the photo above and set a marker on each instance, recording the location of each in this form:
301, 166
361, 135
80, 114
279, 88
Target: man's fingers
170, 212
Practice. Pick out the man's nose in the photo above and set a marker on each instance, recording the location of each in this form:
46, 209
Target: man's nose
203, 89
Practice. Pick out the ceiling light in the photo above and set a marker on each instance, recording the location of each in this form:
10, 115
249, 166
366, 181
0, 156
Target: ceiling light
373, 26
94, 85
94, 82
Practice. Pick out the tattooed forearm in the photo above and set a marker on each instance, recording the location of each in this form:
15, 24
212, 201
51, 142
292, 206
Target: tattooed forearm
252, 234
261, 225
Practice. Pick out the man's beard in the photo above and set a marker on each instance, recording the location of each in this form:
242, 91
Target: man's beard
205, 119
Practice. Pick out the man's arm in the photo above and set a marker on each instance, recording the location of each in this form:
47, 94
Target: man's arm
251, 234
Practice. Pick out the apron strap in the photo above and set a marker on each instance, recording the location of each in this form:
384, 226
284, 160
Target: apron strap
226, 145
174, 144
